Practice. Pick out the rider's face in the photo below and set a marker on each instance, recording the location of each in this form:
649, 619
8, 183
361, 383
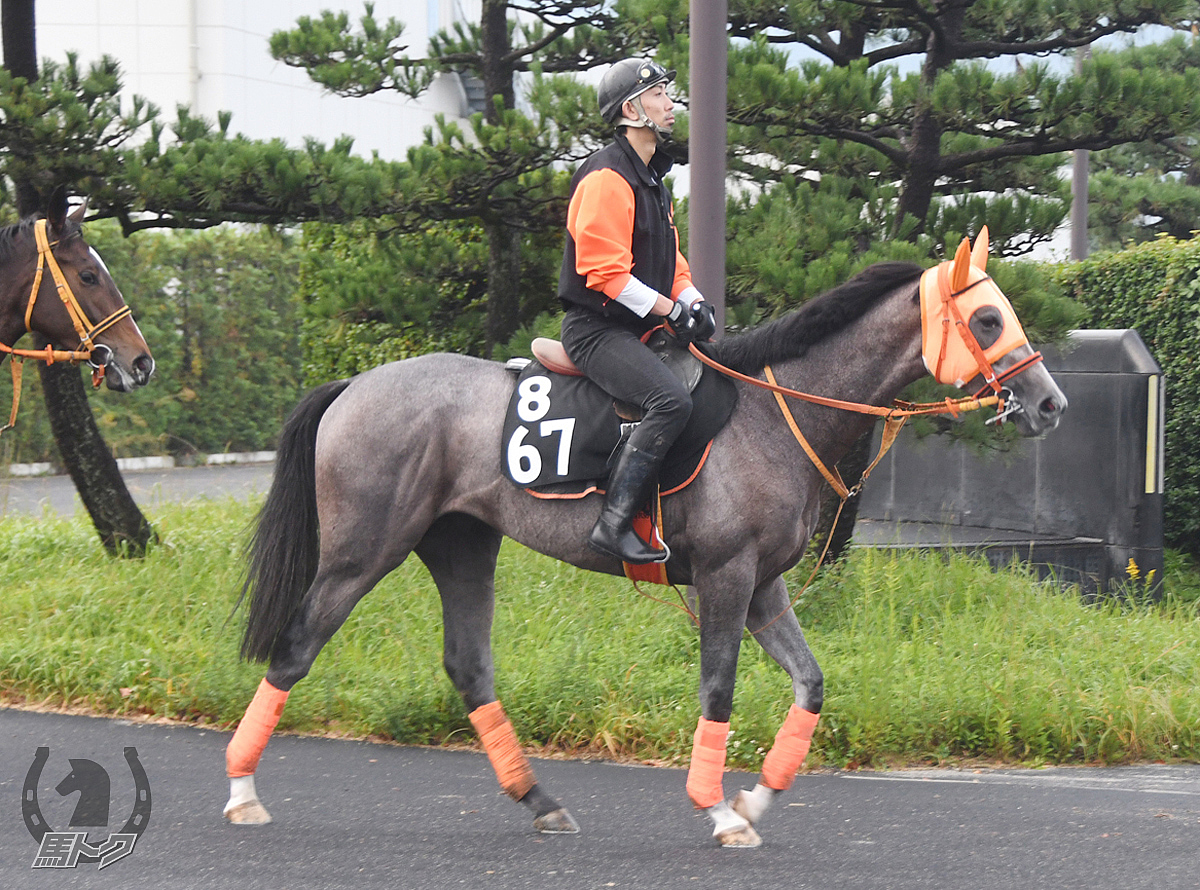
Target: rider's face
657, 105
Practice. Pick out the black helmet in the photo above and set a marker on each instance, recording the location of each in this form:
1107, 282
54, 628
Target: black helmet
627, 80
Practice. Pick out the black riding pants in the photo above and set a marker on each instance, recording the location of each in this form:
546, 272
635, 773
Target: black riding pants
616, 359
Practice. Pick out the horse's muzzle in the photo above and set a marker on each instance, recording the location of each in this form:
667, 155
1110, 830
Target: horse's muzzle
1039, 418
120, 379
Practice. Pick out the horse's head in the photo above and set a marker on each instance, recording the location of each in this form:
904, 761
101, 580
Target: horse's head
75, 304
971, 338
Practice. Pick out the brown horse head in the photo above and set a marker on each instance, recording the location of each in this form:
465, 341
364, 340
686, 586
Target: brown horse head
99, 323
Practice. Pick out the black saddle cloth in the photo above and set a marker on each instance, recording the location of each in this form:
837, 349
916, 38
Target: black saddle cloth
560, 430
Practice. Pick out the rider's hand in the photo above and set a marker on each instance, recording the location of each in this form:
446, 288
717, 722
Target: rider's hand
682, 323
705, 318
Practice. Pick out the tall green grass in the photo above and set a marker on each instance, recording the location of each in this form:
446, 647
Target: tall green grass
926, 661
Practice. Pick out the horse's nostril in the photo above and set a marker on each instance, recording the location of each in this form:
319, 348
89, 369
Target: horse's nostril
143, 367
1050, 407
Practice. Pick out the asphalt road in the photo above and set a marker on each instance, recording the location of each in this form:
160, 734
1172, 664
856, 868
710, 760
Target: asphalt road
150, 488
359, 815
356, 815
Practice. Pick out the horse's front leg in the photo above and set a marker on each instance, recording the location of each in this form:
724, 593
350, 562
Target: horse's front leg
722, 613
777, 630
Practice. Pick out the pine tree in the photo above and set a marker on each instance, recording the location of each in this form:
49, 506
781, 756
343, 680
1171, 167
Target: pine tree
1145, 189
499, 175
944, 115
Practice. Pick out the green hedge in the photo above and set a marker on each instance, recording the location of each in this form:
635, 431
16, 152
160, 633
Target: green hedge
1154, 288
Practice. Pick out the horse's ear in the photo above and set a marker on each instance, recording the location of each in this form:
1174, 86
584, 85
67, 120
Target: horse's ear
962, 265
56, 209
77, 214
979, 253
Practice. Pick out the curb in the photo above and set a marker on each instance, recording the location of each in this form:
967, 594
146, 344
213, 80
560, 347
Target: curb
166, 462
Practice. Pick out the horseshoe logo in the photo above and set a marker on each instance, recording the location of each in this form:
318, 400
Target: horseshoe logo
139, 818
29, 803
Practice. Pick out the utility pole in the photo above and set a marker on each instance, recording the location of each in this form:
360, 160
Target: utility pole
707, 93
1079, 182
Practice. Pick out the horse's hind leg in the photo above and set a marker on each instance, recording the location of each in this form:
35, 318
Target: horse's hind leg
460, 553
777, 630
326, 606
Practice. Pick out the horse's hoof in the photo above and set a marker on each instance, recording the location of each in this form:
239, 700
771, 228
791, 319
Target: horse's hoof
739, 838
249, 813
752, 805
557, 822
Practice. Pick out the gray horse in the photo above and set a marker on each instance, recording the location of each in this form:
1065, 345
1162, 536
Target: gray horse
406, 458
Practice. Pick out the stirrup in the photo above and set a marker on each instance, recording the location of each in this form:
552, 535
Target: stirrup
645, 556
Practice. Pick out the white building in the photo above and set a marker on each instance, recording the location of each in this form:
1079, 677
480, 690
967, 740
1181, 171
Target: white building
213, 55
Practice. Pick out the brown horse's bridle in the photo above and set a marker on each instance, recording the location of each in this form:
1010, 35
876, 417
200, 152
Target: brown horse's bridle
96, 355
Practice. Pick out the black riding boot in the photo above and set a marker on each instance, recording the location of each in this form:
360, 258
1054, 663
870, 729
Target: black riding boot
630, 485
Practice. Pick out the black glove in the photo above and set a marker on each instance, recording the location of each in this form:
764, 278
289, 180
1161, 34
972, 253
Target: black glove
682, 323
705, 318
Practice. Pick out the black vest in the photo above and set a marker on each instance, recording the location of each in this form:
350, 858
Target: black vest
654, 241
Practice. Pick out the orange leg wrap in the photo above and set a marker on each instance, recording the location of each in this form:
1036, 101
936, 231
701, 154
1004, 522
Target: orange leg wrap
500, 742
790, 749
253, 733
707, 769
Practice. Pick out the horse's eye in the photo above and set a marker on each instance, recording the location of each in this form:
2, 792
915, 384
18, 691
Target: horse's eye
89, 277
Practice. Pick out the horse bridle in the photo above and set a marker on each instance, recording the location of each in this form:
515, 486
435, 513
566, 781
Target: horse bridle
79, 318
95, 354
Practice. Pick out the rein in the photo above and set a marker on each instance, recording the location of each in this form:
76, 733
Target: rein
894, 416
79, 321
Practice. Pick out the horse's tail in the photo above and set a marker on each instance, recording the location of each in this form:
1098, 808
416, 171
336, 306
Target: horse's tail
285, 547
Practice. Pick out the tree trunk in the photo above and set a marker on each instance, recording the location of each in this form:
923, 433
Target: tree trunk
924, 145
494, 49
20, 58
121, 526
504, 283
504, 241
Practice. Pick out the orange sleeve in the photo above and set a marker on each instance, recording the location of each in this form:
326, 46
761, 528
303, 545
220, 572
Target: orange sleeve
600, 219
683, 272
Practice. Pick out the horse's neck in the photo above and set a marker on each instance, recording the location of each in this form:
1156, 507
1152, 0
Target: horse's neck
869, 363
15, 283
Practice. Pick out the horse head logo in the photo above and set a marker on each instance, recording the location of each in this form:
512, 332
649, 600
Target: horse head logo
91, 781
92, 808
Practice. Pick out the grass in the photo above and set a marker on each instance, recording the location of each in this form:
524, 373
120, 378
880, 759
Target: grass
926, 661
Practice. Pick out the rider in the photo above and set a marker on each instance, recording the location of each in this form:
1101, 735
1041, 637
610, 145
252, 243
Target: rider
622, 276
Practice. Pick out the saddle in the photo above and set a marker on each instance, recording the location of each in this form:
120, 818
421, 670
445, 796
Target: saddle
672, 353
561, 428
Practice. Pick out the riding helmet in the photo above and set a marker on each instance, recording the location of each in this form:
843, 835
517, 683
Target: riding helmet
627, 80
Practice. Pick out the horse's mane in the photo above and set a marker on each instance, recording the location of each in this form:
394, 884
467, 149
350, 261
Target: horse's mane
12, 234
791, 335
